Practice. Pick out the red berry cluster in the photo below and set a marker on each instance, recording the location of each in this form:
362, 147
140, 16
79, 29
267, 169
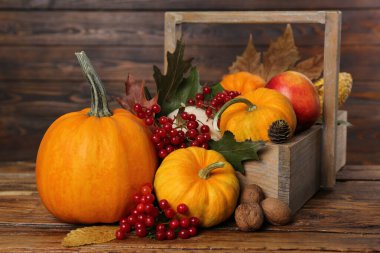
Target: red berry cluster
184, 227
147, 114
144, 219
211, 104
168, 138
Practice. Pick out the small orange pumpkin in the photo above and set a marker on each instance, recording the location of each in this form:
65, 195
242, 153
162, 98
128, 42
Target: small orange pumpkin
203, 180
91, 162
249, 116
242, 82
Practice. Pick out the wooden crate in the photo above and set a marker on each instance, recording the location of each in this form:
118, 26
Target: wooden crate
291, 171
294, 171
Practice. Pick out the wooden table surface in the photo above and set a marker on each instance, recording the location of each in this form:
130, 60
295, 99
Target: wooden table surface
344, 219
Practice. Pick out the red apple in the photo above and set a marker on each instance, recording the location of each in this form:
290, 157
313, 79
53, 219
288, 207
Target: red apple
301, 93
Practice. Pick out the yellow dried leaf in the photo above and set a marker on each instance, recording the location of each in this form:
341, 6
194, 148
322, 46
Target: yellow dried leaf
311, 67
89, 235
249, 61
281, 55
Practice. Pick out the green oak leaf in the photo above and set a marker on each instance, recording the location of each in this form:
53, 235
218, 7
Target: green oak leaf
237, 152
216, 88
180, 82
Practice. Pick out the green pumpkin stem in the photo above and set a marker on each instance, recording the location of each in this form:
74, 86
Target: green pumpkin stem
99, 103
205, 172
250, 108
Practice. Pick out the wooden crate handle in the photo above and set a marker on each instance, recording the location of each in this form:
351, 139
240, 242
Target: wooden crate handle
332, 21
330, 98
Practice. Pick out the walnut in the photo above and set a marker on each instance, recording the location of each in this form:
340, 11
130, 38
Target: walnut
252, 194
276, 212
249, 216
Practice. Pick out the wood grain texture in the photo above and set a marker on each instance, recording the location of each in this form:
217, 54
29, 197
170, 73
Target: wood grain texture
331, 221
249, 17
113, 63
37, 240
18, 28
359, 173
138, 5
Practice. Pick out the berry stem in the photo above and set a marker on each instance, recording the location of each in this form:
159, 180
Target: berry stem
99, 103
250, 108
205, 172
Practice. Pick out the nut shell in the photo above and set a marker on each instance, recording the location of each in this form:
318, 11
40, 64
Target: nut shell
275, 211
249, 216
252, 193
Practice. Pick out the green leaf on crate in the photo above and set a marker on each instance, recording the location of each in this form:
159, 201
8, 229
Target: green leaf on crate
216, 88
180, 82
237, 152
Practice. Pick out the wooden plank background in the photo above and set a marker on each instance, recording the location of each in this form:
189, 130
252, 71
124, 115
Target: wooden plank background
40, 78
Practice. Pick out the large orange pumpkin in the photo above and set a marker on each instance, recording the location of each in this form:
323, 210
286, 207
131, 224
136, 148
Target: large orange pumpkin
242, 82
203, 180
91, 162
249, 116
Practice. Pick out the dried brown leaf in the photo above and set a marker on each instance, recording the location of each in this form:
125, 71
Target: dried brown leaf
249, 61
282, 54
134, 93
89, 235
311, 67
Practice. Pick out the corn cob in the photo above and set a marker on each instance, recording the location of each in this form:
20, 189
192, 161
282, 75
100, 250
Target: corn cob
345, 85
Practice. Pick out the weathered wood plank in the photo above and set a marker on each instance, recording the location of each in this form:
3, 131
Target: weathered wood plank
330, 98
113, 63
78, 28
138, 5
37, 240
43, 63
131, 29
359, 173
236, 17
331, 221
341, 210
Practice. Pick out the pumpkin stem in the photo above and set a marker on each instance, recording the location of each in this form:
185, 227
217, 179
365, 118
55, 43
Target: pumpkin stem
205, 172
250, 108
99, 103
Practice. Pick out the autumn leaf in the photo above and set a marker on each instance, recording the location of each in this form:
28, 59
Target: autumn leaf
179, 83
89, 235
237, 152
249, 61
135, 93
282, 55
311, 67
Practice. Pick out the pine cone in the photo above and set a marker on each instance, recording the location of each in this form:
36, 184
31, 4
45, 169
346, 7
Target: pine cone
279, 131
345, 85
